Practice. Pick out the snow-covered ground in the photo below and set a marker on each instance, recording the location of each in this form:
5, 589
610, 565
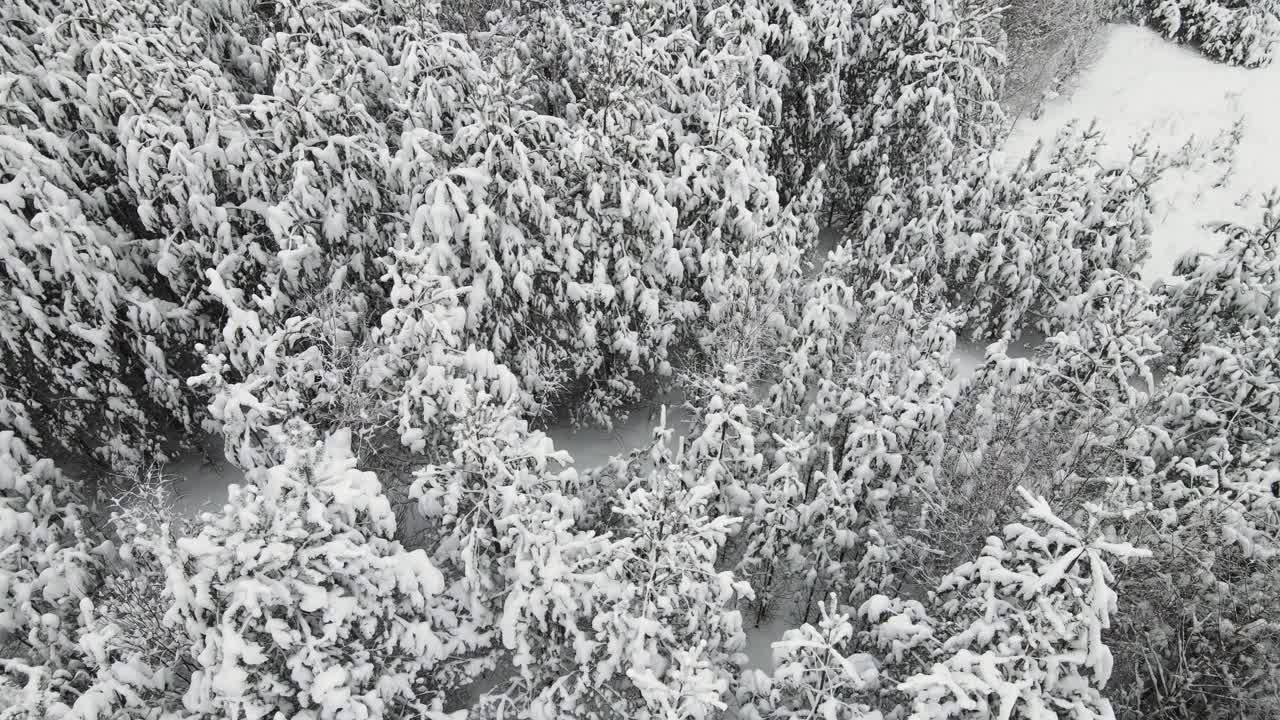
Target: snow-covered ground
1143, 84
1140, 84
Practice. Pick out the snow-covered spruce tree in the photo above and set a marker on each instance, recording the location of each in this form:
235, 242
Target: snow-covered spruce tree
664, 172
669, 635
1009, 243
816, 674
1240, 32
1021, 627
85, 341
296, 600
641, 622
874, 83
1201, 638
397, 380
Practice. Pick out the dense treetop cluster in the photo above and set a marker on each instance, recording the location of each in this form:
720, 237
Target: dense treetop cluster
375, 246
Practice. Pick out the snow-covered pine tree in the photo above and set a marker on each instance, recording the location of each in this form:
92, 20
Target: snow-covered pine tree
523, 577
669, 635
397, 380
722, 445
296, 599
886, 421
781, 483
1203, 476
85, 342
47, 568
817, 674
847, 438
875, 83
666, 175
1112, 342
1008, 243
1216, 296
640, 622
760, 476
1240, 32
1021, 631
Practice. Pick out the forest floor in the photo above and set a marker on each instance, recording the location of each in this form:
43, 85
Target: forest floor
1140, 84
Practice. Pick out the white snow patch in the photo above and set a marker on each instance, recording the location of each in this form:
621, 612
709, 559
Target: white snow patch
760, 640
592, 446
200, 481
1144, 84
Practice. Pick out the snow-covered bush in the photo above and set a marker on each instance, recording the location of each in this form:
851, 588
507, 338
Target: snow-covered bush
817, 674
1200, 640
1008, 244
1022, 627
640, 619
1240, 32
1047, 42
140, 663
669, 621
295, 598
48, 563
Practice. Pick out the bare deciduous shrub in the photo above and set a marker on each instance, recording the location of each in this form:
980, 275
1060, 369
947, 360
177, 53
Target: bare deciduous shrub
132, 597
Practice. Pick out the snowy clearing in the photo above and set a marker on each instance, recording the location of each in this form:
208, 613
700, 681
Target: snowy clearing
1143, 85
